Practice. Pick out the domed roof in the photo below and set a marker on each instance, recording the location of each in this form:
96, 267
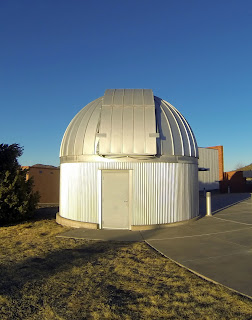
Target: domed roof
129, 122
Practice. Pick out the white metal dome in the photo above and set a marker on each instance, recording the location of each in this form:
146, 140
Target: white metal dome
129, 122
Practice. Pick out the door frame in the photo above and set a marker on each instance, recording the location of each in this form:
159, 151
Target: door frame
99, 184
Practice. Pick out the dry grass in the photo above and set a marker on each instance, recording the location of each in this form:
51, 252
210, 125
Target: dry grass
44, 277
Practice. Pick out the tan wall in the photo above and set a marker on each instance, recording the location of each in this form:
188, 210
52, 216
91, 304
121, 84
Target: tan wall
46, 182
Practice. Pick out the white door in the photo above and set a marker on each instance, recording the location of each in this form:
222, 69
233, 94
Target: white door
115, 199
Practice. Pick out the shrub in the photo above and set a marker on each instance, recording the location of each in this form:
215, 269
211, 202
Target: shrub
17, 199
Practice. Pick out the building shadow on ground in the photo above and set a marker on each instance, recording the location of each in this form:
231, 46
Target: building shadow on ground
47, 213
221, 201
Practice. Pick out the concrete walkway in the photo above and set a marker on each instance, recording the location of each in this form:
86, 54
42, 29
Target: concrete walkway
217, 247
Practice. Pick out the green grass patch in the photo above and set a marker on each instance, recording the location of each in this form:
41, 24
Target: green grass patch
44, 277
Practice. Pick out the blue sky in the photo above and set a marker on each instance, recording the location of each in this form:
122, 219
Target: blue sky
57, 56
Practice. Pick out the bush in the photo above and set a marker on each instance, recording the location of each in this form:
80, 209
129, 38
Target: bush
17, 199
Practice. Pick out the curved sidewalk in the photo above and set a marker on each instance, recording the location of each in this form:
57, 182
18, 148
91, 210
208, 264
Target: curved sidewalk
217, 247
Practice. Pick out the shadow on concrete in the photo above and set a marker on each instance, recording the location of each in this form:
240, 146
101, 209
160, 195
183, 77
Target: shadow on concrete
221, 201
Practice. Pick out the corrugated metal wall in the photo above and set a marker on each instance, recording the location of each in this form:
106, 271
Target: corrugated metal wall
161, 192
208, 158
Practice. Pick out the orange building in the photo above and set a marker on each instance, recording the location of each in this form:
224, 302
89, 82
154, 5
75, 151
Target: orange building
46, 182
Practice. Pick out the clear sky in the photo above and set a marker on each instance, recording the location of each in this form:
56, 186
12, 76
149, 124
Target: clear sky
58, 55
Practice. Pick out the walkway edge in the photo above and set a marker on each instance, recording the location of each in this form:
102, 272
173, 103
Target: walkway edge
198, 274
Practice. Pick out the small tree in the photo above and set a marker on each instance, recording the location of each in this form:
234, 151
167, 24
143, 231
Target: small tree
239, 165
17, 199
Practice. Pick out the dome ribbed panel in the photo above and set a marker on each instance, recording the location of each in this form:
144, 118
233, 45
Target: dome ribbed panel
176, 136
129, 122
165, 143
84, 122
175, 128
192, 139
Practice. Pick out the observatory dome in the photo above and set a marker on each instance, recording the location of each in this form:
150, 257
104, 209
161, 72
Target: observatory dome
128, 122
128, 160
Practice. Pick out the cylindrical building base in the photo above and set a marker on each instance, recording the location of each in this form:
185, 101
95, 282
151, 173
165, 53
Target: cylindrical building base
86, 225
74, 223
